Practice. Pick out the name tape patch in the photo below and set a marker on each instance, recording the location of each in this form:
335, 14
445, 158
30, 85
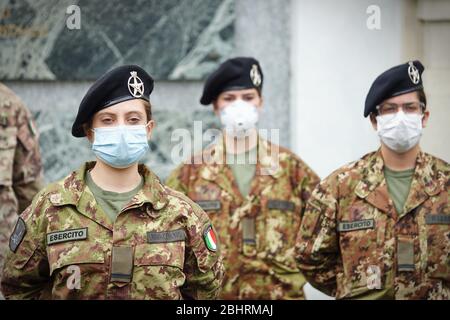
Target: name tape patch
166, 236
356, 225
281, 205
210, 205
67, 235
437, 219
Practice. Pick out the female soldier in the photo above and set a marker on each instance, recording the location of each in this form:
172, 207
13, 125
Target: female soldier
111, 230
253, 190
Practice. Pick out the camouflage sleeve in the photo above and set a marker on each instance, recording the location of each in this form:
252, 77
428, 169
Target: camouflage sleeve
27, 170
26, 270
305, 181
204, 264
178, 179
317, 244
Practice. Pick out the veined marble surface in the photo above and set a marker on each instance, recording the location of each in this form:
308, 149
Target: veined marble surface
258, 27
172, 39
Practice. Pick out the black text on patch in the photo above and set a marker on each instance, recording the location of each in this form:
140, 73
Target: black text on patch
356, 225
166, 236
67, 235
209, 205
281, 205
437, 219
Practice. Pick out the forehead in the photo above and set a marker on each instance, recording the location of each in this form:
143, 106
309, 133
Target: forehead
239, 92
403, 98
135, 105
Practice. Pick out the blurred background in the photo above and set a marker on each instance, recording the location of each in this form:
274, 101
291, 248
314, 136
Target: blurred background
319, 59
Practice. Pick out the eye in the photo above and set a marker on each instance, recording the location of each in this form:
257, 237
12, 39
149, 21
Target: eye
388, 108
249, 98
107, 121
134, 120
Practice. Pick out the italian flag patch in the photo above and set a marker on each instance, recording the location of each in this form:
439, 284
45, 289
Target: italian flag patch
210, 238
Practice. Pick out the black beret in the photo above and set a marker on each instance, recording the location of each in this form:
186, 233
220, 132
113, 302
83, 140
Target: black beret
118, 85
234, 74
398, 80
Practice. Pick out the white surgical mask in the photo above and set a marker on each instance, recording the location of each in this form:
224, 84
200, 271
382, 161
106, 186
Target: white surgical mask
239, 118
400, 131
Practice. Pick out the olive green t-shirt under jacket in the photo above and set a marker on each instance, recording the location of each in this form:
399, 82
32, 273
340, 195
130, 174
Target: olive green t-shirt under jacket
111, 202
398, 184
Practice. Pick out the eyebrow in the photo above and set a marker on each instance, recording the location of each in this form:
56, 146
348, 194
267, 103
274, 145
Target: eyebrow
107, 114
134, 112
114, 115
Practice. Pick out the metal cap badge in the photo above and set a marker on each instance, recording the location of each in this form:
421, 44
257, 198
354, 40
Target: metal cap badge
255, 76
136, 87
413, 73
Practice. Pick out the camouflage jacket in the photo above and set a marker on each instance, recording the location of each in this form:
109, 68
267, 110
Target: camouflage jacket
20, 164
20, 159
353, 244
257, 232
65, 247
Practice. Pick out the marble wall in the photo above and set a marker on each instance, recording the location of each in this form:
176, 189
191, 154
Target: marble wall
53, 40
261, 29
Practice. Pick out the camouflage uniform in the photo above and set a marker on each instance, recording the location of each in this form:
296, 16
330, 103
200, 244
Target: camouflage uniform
161, 231
20, 163
353, 244
257, 233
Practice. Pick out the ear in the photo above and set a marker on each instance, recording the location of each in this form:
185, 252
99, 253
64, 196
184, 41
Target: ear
373, 120
89, 134
150, 126
426, 116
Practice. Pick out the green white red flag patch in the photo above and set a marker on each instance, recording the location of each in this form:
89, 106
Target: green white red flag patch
210, 238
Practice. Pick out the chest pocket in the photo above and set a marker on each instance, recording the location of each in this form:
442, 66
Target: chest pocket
8, 142
158, 270
282, 221
76, 267
438, 243
61, 255
362, 233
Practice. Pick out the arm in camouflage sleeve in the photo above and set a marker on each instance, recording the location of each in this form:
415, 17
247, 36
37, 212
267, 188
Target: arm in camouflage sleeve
203, 267
26, 270
27, 171
304, 182
317, 243
178, 179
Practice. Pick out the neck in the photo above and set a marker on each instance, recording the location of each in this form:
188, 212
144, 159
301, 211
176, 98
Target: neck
240, 145
115, 180
400, 161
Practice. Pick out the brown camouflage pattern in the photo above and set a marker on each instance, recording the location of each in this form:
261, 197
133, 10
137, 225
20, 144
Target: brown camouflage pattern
268, 269
342, 264
169, 270
20, 163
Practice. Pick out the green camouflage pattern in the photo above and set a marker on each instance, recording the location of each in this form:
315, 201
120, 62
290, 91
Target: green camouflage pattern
368, 263
20, 163
166, 270
265, 269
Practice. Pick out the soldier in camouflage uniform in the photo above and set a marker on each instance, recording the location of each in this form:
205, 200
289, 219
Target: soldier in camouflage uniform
20, 163
379, 228
256, 225
79, 240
